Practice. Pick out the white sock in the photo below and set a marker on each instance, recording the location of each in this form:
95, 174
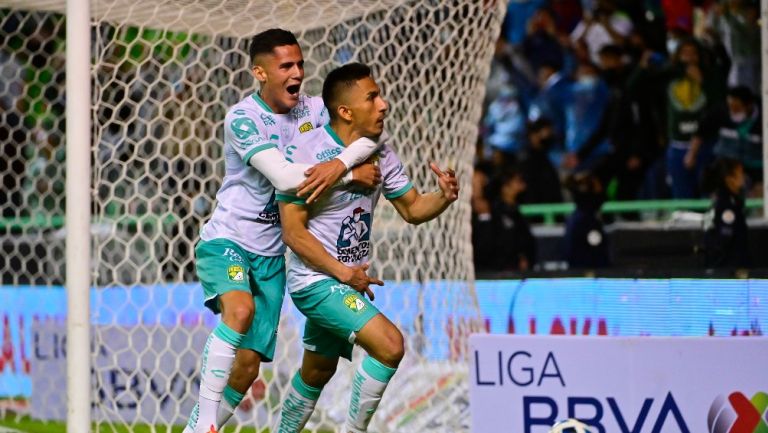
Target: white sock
227, 407
297, 406
368, 385
218, 356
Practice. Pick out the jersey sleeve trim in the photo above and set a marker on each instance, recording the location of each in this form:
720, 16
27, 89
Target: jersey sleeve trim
256, 150
400, 192
287, 198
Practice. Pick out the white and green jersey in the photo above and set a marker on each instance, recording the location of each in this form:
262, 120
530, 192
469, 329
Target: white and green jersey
342, 220
246, 212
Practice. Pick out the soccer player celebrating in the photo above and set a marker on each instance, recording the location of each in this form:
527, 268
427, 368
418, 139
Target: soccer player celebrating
335, 231
240, 256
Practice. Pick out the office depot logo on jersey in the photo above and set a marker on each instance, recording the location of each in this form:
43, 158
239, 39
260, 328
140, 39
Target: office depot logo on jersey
738, 414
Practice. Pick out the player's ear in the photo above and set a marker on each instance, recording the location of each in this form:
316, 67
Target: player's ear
344, 112
259, 73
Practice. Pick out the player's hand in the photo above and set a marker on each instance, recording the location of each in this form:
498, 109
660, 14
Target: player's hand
320, 177
360, 281
448, 182
367, 175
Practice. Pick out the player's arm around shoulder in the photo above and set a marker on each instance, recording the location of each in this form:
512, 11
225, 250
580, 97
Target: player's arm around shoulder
294, 217
416, 208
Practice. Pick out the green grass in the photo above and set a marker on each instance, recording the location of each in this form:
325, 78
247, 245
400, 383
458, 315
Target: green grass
28, 425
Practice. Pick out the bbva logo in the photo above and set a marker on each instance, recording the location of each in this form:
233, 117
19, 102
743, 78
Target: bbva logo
738, 414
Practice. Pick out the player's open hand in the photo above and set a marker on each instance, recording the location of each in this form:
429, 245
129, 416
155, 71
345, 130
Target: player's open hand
320, 177
448, 182
360, 281
367, 175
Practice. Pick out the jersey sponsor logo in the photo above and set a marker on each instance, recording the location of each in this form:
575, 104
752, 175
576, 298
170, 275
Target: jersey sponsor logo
327, 154
267, 119
300, 111
270, 214
353, 243
305, 127
354, 303
236, 273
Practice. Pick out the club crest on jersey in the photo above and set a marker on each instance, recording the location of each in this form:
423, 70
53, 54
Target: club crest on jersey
236, 273
354, 303
353, 243
305, 127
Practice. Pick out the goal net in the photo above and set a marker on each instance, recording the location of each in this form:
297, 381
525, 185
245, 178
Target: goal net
164, 73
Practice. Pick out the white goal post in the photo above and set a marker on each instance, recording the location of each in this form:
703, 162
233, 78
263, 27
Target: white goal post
148, 83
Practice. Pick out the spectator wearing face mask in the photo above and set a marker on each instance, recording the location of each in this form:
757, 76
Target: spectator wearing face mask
739, 132
536, 167
585, 114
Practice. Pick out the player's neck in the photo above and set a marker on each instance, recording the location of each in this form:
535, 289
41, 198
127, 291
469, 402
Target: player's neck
345, 133
271, 102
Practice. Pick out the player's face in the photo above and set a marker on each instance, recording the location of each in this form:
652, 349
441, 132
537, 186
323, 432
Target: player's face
368, 108
281, 74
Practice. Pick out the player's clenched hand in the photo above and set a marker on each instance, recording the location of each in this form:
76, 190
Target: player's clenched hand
360, 281
321, 177
367, 175
448, 182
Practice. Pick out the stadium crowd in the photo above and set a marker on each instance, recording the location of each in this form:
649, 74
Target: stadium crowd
594, 100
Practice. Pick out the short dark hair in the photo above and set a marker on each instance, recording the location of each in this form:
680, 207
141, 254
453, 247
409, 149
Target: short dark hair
340, 79
743, 94
266, 41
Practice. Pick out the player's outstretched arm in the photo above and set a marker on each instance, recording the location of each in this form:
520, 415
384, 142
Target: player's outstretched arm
287, 176
293, 218
324, 175
416, 208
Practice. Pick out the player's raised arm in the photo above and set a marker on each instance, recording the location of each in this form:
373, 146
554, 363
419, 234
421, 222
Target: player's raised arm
294, 218
416, 208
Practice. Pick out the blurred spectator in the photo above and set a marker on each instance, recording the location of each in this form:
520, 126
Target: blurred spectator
540, 176
632, 123
603, 25
585, 114
550, 103
692, 87
515, 246
541, 45
504, 122
737, 22
586, 245
518, 14
482, 224
726, 240
739, 133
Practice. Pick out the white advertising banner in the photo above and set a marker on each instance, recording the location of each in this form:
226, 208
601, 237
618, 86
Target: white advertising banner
525, 384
